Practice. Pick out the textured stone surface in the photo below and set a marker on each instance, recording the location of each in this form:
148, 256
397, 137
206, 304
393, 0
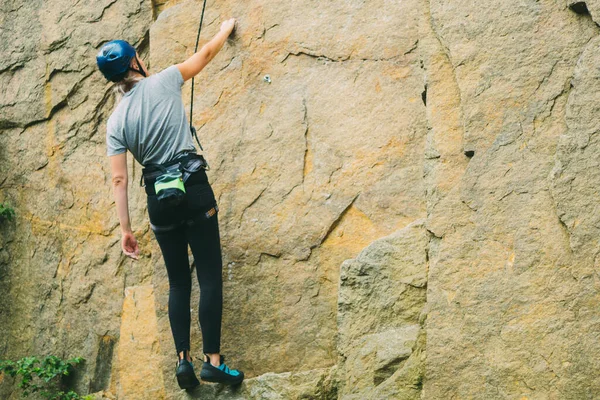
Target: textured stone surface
63, 278
382, 297
454, 141
313, 384
139, 341
507, 297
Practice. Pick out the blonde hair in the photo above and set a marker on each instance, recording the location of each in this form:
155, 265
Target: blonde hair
126, 84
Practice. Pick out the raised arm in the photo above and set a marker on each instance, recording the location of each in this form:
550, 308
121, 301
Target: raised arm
118, 167
196, 63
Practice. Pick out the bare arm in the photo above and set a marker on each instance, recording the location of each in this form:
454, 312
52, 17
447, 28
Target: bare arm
118, 167
196, 63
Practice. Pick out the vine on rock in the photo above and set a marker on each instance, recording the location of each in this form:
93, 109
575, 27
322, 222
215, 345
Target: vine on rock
43, 377
6, 212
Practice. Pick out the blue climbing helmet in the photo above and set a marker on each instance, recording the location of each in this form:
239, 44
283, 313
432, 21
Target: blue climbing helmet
114, 60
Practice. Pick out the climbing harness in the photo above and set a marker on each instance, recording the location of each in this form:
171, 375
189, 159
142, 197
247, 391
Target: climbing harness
167, 182
192, 128
189, 222
170, 178
188, 164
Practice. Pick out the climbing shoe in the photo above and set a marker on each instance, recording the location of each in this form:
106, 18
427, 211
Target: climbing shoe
185, 375
220, 374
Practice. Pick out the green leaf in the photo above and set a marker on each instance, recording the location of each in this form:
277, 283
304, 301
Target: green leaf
42, 376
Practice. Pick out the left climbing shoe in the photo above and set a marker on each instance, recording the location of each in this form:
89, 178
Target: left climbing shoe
220, 374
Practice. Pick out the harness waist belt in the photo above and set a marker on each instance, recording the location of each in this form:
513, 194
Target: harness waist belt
187, 164
190, 222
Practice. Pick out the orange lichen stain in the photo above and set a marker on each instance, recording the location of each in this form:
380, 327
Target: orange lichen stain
139, 344
205, 117
397, 73
50, 139
161, 5
510, 263
354, 232
39, 226
106, 339
48, 92
51, 147
523, 145
308, 166
263, 106
378, 86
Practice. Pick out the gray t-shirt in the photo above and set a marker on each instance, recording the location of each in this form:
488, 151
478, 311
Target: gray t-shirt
150, 120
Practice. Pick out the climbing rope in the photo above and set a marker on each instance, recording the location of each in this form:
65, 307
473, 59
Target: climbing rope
192, 129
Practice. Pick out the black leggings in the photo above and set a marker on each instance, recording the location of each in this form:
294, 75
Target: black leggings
203, 238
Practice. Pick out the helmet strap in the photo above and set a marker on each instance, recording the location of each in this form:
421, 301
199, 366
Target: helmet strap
139, 68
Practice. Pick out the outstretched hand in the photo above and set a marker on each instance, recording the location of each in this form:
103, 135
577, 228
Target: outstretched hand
130, 245
196, 63
228, 26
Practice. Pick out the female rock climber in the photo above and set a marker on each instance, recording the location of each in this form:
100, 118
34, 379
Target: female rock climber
150, 122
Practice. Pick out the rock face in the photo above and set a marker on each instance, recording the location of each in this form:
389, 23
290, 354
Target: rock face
381, 306
408, 206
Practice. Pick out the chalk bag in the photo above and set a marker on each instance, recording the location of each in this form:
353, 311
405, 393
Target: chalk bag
169, 188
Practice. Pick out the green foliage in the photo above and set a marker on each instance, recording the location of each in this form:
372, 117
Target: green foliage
43, 376
6, 212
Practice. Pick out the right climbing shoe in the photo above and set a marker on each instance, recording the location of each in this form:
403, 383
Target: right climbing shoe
220, 374
186, 377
